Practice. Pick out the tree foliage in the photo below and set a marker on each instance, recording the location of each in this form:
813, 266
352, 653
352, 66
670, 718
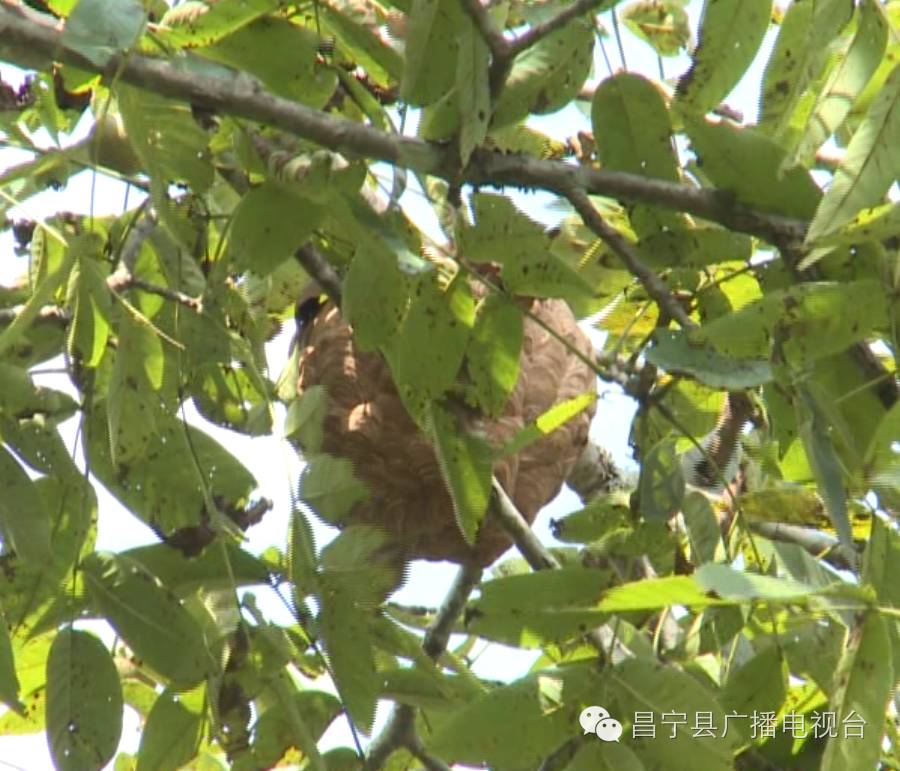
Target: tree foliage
728, 263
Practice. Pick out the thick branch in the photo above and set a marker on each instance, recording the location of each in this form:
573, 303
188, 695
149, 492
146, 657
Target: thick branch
623, 249
815, 542
31, 39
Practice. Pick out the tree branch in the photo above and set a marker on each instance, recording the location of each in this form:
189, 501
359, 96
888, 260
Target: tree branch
315, 264
540, 31
32, 39
623, 249
815, 542
400, 730
511, 520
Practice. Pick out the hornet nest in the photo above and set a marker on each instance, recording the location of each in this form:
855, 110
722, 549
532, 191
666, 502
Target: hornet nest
367, 423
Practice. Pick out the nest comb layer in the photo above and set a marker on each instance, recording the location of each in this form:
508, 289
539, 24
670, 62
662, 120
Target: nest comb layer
367, 423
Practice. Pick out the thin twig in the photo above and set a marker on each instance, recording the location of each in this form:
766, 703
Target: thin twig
315, 264
540, 31
623, 249
119, 283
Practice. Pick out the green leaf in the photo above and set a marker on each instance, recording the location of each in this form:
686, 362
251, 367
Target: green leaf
661, 483
170, 143
547, 422
605, 756
166, 488
694, 247
675, 353
663, 24
845, 82
99, 30
466, 463
24, 519
815, 320
149, 618
302, 562
502, 234
532, 609
815, 433
516, 725
274, 732
329, 486
747, 164
20, 398
270, 224
46, 287
473, 94
733, 584
258, 49
869, 167
212, 569
345, 630
364, 43
375, 296
137, 375
758, 685
632, 128
800, 54
646, 685
431, 344
89, 330
633, 133
730, 35
210, 23
305, 420
173, 731
431, 50
703, 528
548, 75
492, 359
9, 680
881, 564
84, 702
864, 683
655, 594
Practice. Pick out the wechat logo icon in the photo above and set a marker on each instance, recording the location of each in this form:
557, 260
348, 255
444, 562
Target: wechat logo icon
596, 720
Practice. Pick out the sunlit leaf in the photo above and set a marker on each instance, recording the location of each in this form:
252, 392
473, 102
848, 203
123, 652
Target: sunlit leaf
730, 35
846, 81
869, 167
800, 53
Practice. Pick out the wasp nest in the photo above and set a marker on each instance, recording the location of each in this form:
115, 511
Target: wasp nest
367, 423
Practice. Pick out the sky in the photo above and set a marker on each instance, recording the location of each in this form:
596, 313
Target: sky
273, 462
